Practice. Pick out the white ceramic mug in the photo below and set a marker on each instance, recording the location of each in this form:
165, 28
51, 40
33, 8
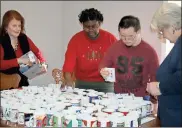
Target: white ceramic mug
49, 118
6, 111
14, 113
40, 118
89, 121
111, 77
103, 122
58, 119
117, 121
70, 119
84, 100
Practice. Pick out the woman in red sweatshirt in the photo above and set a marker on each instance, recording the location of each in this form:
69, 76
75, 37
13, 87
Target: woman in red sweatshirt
13, 44
85, 51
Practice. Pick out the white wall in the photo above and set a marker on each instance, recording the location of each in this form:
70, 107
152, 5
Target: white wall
51, 24
113, 11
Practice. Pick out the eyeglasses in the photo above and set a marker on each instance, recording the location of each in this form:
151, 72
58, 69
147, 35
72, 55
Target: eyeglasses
128, 37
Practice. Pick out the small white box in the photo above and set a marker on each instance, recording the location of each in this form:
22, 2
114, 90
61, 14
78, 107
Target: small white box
31, 71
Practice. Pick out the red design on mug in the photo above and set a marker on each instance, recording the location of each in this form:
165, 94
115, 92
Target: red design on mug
106, 125
91, 124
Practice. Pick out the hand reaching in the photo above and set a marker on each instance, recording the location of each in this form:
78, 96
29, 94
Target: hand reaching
104, 73
25, 61
152, 88
155, 109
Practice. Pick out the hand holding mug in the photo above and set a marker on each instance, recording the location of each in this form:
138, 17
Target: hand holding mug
25, 61
104, 72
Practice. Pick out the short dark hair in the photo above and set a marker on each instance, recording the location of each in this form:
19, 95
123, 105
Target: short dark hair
90, 14
129, 21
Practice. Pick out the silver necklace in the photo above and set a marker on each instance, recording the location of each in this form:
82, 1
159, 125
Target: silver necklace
15, 46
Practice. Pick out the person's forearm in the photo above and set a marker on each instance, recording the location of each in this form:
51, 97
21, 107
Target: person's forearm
67, 77
40, 56
6, 64
153, 99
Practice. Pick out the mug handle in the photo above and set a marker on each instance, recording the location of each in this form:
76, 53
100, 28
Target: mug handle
100, 97
114, 124
88, 124
21, 118
16, 116
29, 122
103, 124
7, 114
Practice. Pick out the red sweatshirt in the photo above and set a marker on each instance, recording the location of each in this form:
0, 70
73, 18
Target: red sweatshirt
134, 66
83, 55
6, 64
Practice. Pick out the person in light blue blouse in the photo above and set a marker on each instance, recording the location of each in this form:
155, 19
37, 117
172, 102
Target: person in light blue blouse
168, 87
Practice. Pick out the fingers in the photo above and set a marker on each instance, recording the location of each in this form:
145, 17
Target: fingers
38, 61
66, 85
62, 85
148, 89
44, 68
26, 61
155, 109
30, 63
70, 84
104, 73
